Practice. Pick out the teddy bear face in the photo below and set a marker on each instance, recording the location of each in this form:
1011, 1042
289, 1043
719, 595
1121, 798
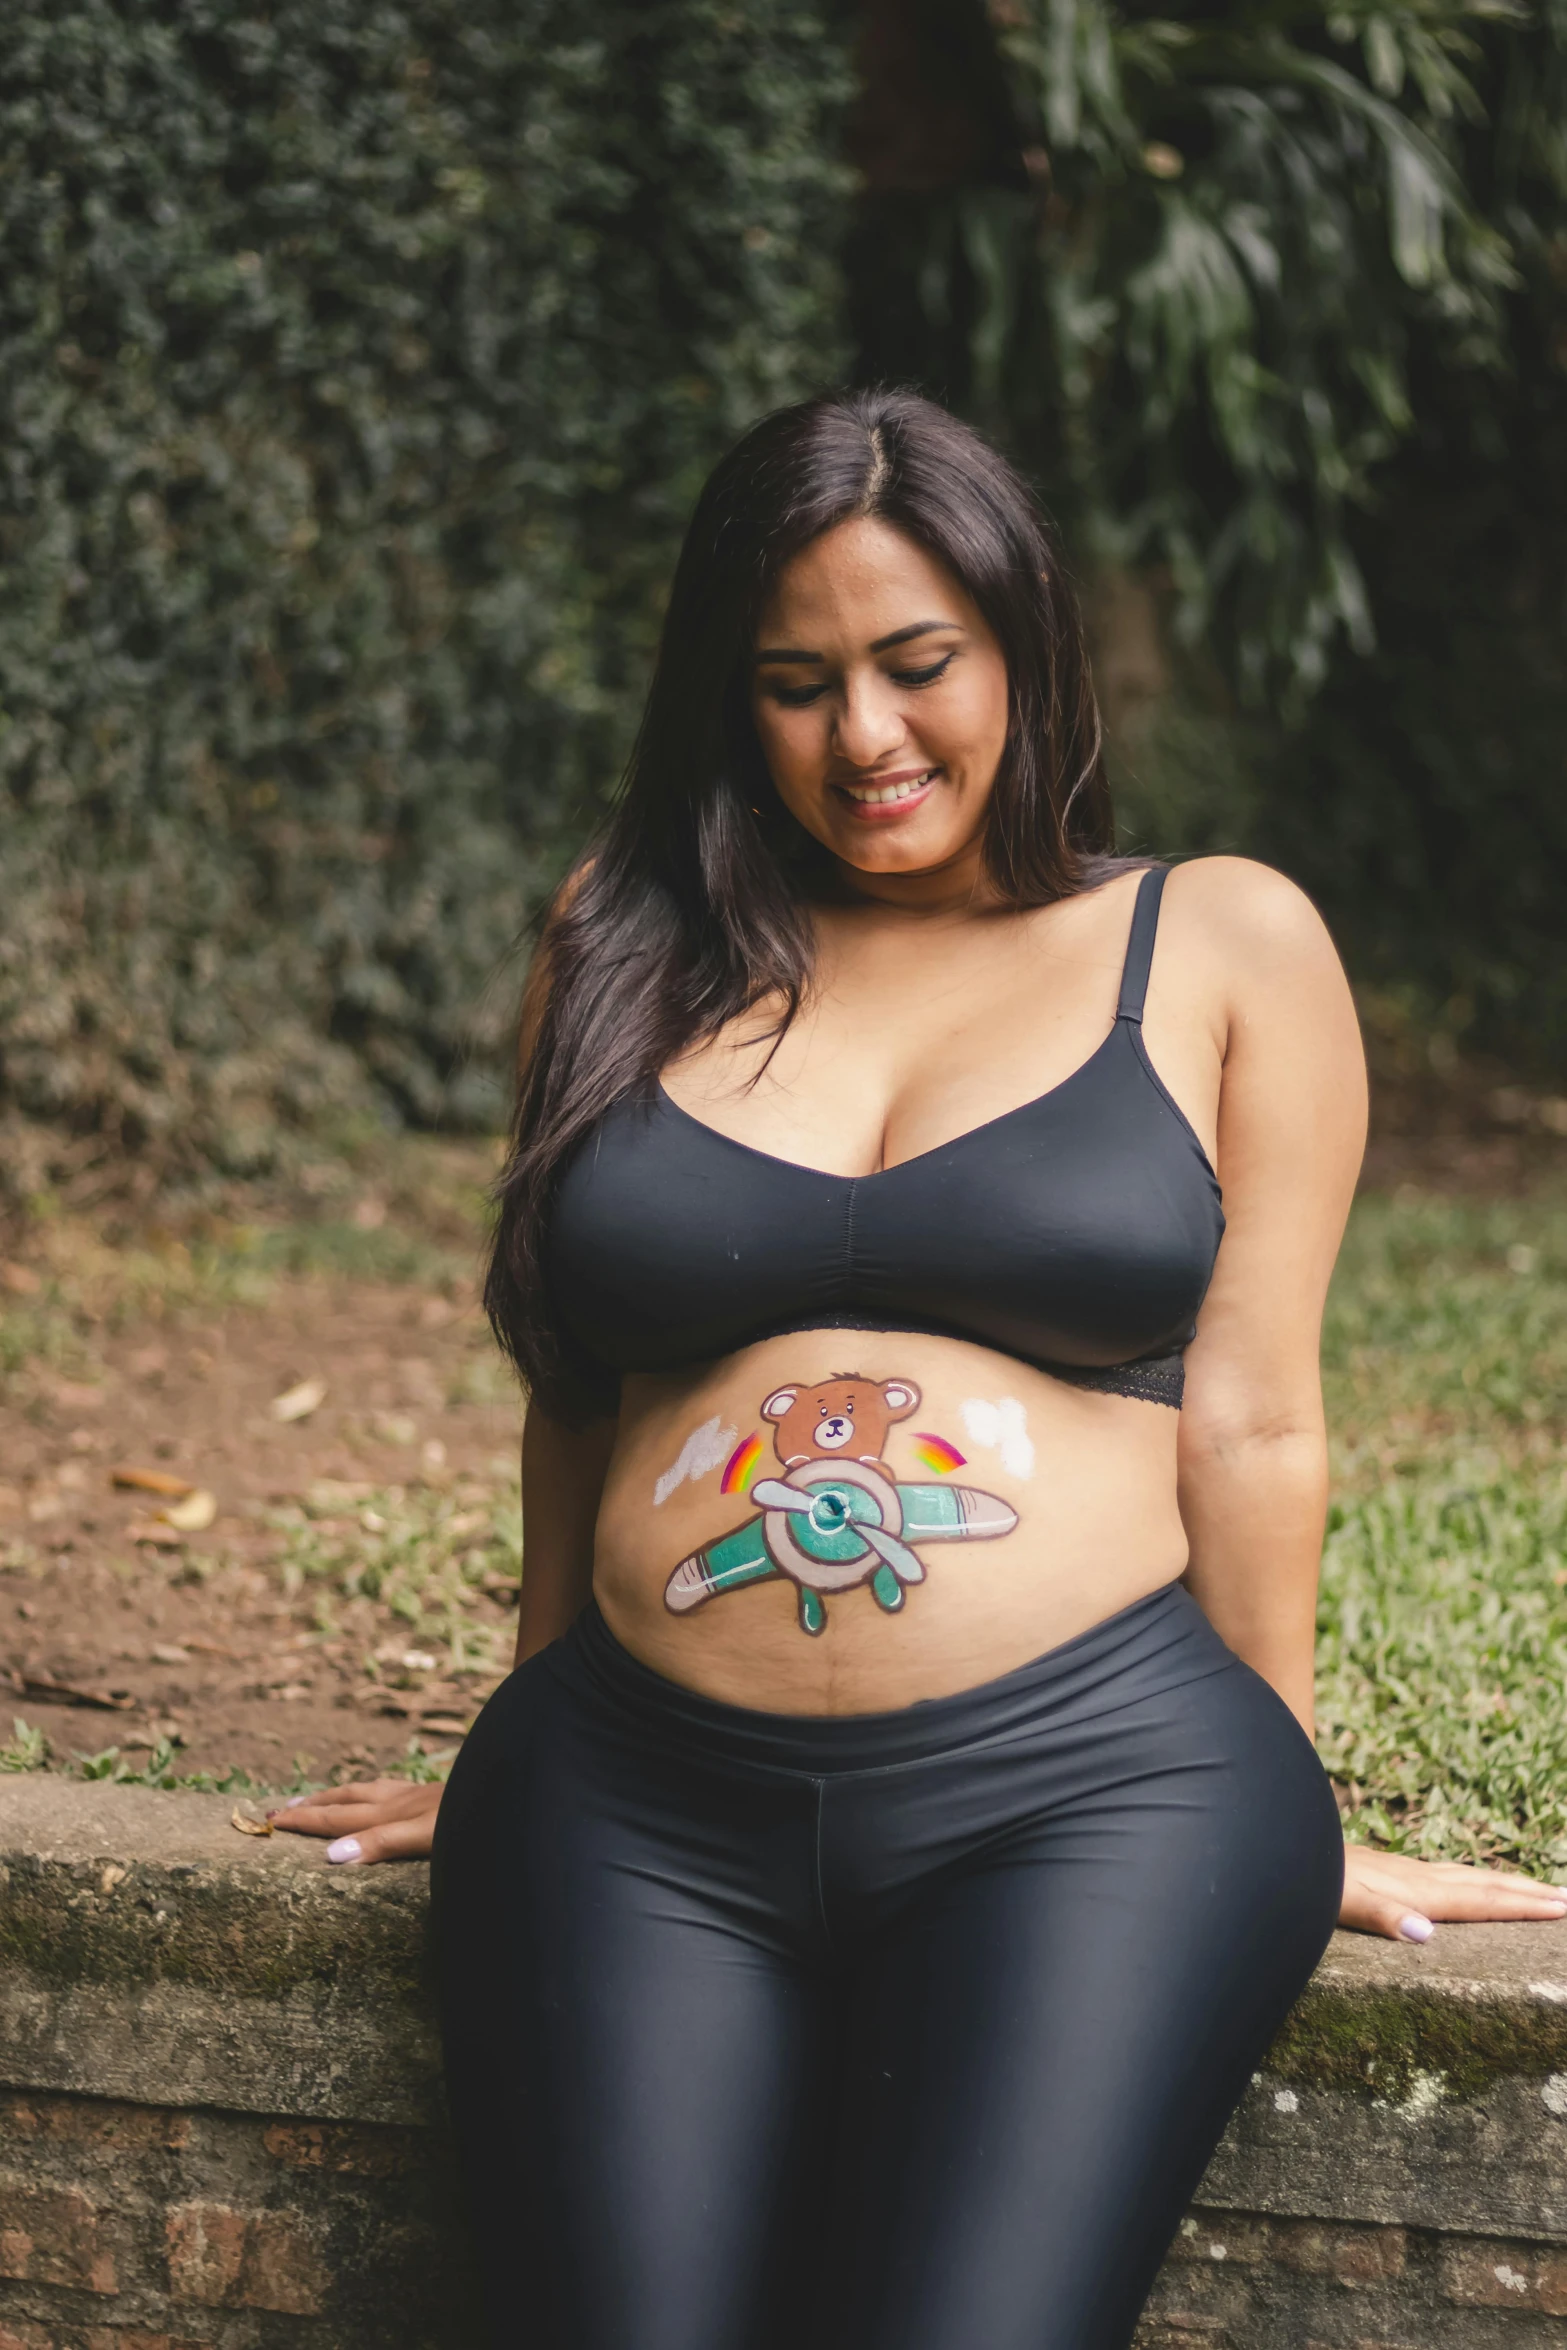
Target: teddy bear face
844, 1419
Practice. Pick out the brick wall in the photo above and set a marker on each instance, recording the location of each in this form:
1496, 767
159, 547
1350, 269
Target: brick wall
136, 2227
1236, 2278
133, 2227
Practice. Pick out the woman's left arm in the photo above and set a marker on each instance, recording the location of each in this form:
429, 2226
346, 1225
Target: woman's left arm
1253, 1442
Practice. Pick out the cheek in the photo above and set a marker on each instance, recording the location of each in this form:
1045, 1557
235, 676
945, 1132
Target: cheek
793, 741
970, 724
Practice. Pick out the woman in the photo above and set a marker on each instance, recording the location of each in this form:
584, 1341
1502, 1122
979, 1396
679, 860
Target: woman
901, 1838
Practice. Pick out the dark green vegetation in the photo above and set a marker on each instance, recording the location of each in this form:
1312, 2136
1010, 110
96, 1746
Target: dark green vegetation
358, 364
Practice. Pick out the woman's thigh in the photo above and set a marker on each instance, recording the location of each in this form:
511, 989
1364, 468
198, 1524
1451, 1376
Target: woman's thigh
1045, 2043
634, 2047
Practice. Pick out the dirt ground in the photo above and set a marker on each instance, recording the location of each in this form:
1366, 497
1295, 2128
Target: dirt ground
351, 1600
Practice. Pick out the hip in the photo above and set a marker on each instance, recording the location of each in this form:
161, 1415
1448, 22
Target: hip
1145, 1726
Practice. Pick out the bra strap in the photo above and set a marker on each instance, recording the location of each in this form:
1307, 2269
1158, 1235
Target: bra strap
1139, 945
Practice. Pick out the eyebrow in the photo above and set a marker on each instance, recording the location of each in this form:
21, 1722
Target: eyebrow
882, 644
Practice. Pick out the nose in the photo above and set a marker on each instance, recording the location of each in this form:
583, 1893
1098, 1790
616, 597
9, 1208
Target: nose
869, 725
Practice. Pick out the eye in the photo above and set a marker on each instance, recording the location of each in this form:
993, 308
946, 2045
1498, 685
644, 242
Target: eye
796, 697
924, 676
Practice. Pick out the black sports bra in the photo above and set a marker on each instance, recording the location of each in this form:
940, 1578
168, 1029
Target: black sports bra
1077, 1233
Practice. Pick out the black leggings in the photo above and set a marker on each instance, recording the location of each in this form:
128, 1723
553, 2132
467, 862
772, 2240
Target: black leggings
905, 2031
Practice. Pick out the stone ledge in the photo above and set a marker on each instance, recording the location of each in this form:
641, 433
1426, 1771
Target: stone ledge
150, 1952
1402, 2155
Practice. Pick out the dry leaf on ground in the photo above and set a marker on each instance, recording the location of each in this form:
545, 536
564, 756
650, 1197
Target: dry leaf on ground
194, 1514
68, 1693
249, 1827
298, 1402
163, 1481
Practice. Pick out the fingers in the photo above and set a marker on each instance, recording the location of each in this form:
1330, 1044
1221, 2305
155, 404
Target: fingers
1474, 1902
380, 1819
1388, 1893
408, 1838
1456, 1872
1459, 1883
1366, 1912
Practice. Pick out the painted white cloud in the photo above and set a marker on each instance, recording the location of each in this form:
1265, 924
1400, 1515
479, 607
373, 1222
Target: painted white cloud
1002, 1427
707, 1447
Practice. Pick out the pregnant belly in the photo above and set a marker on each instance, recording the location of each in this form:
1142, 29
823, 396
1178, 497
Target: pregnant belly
846, 1522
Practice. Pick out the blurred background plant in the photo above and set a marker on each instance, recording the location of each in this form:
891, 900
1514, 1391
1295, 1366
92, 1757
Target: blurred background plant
359, 367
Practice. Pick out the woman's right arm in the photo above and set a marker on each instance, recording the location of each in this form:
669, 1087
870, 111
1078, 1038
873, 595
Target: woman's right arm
563, 1472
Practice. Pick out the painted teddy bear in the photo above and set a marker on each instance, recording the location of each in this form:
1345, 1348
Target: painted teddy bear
844, 1417
838, 1516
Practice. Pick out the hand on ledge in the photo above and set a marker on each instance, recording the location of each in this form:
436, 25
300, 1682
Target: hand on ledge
1384, 1893
377, 1819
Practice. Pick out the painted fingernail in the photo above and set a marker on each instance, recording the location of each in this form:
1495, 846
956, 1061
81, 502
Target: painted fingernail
294, 1802
347, 1848
1412, 1928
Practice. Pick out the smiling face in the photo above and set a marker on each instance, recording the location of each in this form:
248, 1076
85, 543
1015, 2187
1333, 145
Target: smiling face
880, 700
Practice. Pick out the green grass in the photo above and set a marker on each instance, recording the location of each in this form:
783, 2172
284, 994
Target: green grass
1448, 1321
425, 1559
29, 1750
1443, 1620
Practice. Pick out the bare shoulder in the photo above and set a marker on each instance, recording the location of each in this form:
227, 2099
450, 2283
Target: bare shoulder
1249, 926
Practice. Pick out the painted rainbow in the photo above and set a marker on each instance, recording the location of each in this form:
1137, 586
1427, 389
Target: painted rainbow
740, 1467
938, 1455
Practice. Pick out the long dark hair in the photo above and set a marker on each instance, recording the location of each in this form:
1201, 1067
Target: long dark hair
693, 904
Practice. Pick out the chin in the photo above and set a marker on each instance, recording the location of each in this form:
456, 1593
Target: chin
900, 856
911, 847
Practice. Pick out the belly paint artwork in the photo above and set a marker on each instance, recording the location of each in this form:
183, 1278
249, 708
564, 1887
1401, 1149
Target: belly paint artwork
1002, 1427
838, 1516
705, 1448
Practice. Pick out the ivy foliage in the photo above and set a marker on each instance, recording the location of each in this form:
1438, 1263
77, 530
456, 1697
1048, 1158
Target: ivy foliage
360, 360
